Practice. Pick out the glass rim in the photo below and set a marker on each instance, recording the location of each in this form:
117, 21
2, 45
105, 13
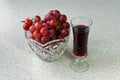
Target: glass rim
91, 21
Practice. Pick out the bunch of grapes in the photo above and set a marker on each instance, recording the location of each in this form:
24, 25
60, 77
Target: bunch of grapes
53, 26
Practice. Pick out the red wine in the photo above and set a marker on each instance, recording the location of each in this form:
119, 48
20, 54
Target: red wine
80, 34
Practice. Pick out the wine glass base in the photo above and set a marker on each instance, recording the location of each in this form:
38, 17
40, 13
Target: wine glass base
80, 66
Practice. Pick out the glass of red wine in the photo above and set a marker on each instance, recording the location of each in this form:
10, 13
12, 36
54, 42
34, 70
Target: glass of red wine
81, 28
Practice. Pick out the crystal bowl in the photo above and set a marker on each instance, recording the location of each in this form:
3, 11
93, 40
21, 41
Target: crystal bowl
49, 51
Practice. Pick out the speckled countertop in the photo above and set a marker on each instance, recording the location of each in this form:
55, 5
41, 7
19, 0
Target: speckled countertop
18, 62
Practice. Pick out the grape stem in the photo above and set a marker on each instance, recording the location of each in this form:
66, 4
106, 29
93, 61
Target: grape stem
22, 21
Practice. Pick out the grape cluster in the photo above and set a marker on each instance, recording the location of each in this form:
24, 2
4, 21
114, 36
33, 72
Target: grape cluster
53, 26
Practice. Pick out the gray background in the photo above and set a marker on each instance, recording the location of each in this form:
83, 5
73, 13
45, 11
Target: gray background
18, 62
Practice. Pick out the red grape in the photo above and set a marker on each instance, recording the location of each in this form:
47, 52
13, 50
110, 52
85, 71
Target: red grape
63, 18
50, 27
32, 29
48, 22
52, 34
53, 23
44, 31
38, 25
28, 22
56, 13
66, 25
25, 27
31, 36
37, 18
48, 17
64, 32
37, 34
44, 39
45, 25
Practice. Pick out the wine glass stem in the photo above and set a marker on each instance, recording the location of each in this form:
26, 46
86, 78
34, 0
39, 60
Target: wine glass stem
80, 59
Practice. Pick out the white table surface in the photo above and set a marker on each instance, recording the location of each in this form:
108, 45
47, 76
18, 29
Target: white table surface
18, 62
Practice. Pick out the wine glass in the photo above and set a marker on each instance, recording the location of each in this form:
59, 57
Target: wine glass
81, 28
